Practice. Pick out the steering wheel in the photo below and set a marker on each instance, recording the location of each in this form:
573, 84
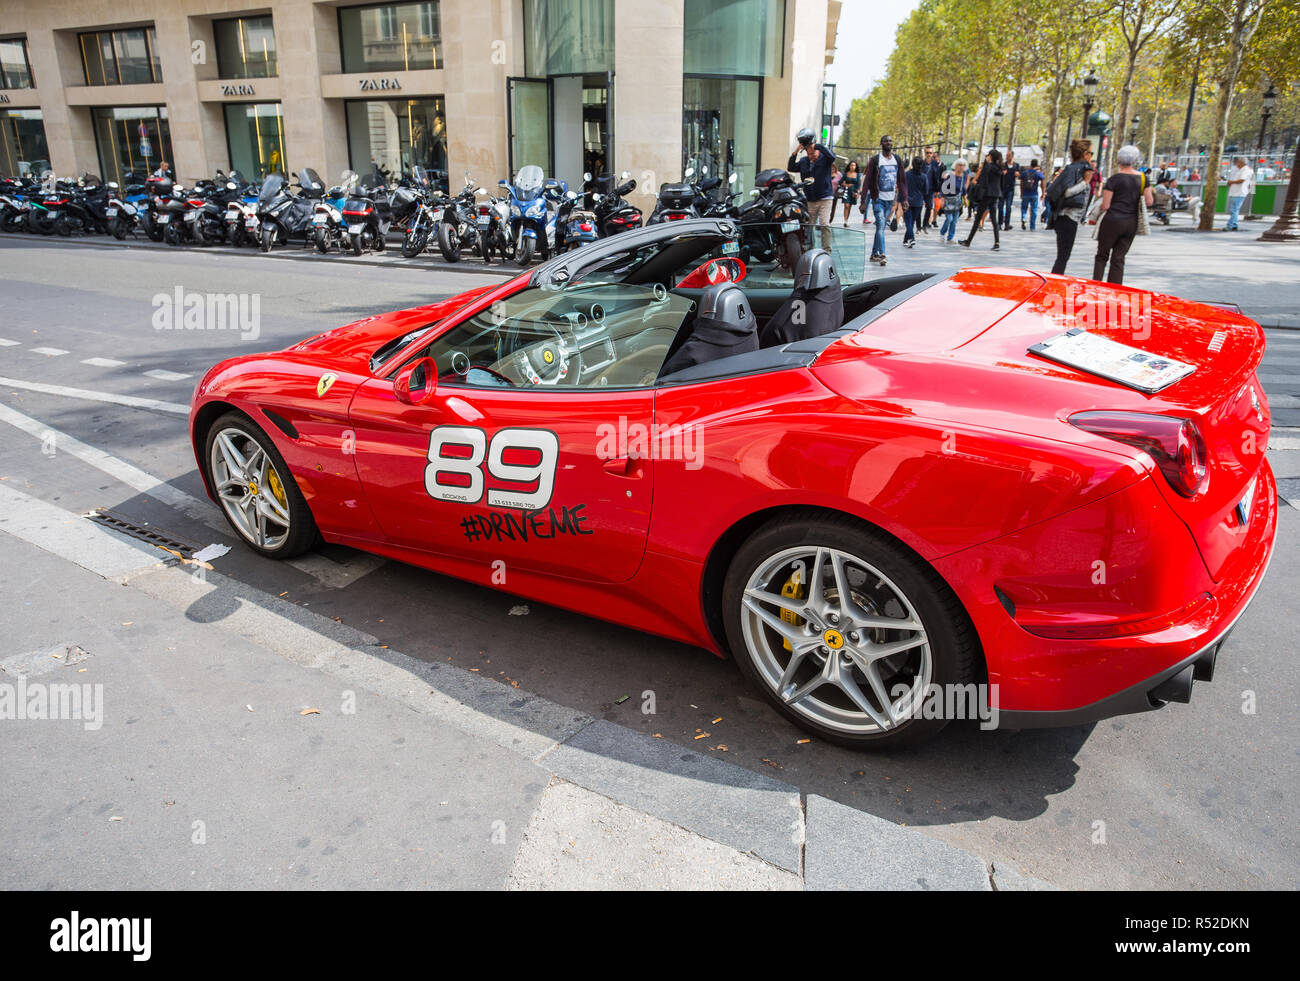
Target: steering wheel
548, 362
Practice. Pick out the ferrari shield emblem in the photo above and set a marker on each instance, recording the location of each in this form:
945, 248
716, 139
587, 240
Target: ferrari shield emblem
323, 386
547, 356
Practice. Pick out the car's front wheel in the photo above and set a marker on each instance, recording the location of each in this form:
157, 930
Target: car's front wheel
847, 633
259, 496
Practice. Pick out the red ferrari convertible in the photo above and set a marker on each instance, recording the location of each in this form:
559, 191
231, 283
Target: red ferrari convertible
1049, 491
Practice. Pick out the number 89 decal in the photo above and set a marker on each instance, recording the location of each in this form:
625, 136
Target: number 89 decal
458, 476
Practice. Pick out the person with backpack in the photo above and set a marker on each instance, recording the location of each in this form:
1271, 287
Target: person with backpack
1068, 196
988, 191
934, 169
918, 192
885, 184
953, 187
1010, 174
1030, 179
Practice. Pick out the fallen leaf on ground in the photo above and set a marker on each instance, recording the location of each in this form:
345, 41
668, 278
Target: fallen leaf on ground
310, 712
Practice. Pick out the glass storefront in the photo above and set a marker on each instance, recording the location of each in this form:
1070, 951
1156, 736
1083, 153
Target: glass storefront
255, 138
720, 127
754, 32
15, 70
22, 136
124, 57
131, 138
245, 47
391, 37
398, 134
568, 37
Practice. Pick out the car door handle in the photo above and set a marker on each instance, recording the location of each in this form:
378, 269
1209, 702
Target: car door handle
627, 466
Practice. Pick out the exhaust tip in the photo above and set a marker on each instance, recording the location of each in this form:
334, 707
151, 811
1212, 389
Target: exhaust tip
1177, 688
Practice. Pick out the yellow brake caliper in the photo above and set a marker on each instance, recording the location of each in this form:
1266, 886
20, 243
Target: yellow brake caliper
277, 488
792, 590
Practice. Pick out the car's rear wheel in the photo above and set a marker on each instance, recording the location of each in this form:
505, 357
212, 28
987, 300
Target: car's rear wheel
847, 633
257, 493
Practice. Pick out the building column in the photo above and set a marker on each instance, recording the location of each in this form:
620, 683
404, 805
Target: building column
482, 44
648, 56
793, 99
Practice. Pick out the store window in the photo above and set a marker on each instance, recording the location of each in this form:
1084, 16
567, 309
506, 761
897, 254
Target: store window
568, 37
720, 127
23, 151
754, 31
391, 37
123, 57
245, 47
398, 134
255, 138
15, 69
131, 139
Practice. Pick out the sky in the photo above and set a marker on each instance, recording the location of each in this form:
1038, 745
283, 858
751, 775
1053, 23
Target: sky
863, 45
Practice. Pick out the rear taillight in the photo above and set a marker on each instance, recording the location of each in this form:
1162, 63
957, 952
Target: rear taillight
364, 211
194, 203
1175, 444
675, 216
584, 227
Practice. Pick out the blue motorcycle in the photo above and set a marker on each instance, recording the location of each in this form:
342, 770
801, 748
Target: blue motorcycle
532, 219
128, 205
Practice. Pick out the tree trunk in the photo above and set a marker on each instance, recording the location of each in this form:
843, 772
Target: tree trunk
1239, 38
984, 124
1287, 226
1155, 124
1015, 116
1120, 125
1054, 120
961, 140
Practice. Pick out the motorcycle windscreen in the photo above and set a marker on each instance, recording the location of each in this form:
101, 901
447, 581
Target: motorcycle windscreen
528, 182
272, 186
309, 180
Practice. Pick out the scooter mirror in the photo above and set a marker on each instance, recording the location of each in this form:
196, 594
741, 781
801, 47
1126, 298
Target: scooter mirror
625, 175
587, 176
733, 178
572, 196
689, 172
479, 190
502, 183
230, 185
754, 193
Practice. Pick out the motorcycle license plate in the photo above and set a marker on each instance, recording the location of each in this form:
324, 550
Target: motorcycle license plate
437, 215
318, 219
251, 224
110, 212
789, 226
484, 219
356, 229
191, 216
164, 219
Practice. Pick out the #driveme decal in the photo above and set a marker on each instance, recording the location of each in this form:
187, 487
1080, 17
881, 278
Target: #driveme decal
460, 458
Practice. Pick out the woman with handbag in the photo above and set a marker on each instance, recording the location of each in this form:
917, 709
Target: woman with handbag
1124, 200
989, 193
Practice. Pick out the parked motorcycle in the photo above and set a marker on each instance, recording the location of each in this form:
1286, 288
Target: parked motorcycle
772, 222
328, 225
532, 220
494, 229
15, 202
613, 214
285, 215
458, 229
243, 227
368, 212
125, 204
575, 226
159, 191
424, 223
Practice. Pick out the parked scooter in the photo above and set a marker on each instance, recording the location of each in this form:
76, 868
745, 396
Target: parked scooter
424, 222
772, 222
328, 224
243, 227
532, 221
284, 215
458, 229
125, 204
368, 213
613, 214
15, 202
575, 226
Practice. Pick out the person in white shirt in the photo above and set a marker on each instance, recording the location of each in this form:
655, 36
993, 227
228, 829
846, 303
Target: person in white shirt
1240, 180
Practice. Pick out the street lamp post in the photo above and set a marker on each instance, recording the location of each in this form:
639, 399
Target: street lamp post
1287, 226
1089, 99
1267, 103
1133, 129
997, 124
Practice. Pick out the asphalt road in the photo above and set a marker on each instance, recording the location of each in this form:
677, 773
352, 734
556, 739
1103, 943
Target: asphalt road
1195, 796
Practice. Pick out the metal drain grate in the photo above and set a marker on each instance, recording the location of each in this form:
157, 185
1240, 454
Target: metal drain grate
149, 535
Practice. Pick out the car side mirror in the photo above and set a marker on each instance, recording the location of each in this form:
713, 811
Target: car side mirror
416, 383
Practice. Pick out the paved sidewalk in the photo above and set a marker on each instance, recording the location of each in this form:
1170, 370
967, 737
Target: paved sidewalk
244, 742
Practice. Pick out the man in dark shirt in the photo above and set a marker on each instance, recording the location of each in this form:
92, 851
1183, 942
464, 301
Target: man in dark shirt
1031, 178
935, 170
816, 162
1010, 175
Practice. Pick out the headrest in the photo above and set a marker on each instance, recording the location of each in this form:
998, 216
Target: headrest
815, 270
726, 302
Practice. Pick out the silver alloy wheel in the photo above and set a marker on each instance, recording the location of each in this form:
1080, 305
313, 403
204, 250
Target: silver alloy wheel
250, 489
857, 665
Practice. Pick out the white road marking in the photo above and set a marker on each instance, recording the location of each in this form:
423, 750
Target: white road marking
1283, 401
1284, 442
51, 352
103, 362
1265, 379
326, 571
81, 393
118, 469
5, 342
163, 374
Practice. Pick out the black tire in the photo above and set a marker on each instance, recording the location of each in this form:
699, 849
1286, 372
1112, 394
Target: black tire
303, 533
119, 228
954, 650
238, 236
486, 247
268, 238
322, 243
448, 242
200, 235
414, 242
171, 233
791, 250
524, 253
154, 230
39, 222
11, 222
63, 225
354, 240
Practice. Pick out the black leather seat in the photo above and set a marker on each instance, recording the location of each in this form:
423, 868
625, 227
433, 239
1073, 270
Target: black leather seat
725, 326
815, 305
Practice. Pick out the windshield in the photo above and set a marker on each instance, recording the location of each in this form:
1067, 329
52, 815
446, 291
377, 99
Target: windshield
309, 180
528, 182
270, 188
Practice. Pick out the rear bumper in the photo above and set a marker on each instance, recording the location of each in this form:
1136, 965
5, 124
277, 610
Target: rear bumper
1037, 680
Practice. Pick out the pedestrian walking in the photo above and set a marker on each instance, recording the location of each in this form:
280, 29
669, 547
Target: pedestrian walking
935, 170
1030, 180
812, 160
886, 187
954, 186
1010, 175
989, 194
849, 185
1123, 201
918, 193
1068, 196
1241, 179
